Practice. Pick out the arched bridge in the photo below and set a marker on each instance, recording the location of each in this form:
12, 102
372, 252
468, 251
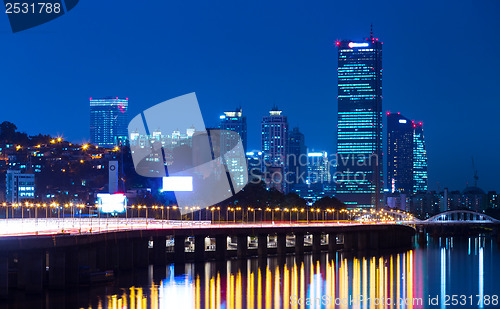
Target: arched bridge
447, 217
461, 217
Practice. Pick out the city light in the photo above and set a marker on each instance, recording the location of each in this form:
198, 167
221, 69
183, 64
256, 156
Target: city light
352, 44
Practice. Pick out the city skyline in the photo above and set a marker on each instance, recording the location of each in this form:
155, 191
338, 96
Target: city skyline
231, 154
299, 61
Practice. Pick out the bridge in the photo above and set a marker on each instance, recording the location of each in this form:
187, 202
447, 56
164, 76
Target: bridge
65, 251
461, 217
452, 217
40, 253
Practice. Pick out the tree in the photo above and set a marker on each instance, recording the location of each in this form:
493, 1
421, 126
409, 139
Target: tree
293, 200
329, 202
7, 131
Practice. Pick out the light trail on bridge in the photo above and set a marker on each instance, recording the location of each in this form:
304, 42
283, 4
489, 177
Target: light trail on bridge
72, 226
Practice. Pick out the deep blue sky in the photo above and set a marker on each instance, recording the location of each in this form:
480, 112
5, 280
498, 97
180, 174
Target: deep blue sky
441, 63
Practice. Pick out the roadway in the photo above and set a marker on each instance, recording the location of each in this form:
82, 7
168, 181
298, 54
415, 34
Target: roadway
71, 226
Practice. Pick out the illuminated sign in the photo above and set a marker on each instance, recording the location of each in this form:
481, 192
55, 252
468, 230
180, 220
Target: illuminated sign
352, 44
315, 154
178, 183
111, 203
402, 120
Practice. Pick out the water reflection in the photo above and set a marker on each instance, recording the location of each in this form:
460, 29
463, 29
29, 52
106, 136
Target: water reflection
400, 280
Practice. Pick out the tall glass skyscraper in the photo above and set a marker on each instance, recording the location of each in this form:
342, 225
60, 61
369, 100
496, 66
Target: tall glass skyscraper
275, 149
359, 132
399, 153
108, 121
235, 121
420, 181
297, 157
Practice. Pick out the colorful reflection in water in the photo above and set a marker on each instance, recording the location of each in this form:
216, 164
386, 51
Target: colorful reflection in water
400, 280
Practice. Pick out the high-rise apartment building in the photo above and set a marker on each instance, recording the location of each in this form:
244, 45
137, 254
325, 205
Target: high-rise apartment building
420, 182
359, 132
19, 186
399, 153
275, 149
108, 121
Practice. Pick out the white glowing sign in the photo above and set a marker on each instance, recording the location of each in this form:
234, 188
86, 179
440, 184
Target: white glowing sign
111, 203
178, 183
352, 44
402, 120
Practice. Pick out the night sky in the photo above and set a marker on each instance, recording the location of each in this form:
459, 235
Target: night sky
441, 63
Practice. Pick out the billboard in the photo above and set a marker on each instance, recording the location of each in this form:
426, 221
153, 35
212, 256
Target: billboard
111, 203
177, 183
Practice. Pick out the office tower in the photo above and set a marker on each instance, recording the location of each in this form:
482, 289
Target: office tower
399, 153
419, 159
297, 157
231, 123
108, 121
274, 149
318, 168
254, 163
19, 186
359, 132
235, 121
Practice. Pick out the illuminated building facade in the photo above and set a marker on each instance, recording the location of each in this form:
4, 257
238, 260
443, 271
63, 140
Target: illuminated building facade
108, 121
318, 167
297, 152
359, 132
235, 121
19, 186
419, 159
399, 153
275, 148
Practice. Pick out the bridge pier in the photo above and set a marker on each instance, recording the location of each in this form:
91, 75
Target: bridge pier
126, 254
281, 244
199, 248
33, 262
374, 239
72, 266
242, 246
179, 249
4, 275
57, 269
112, 254
299, 244
362, 243
316, 245
140, 252
262, 245
220, 247
332, 243
159, 250
350, 241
